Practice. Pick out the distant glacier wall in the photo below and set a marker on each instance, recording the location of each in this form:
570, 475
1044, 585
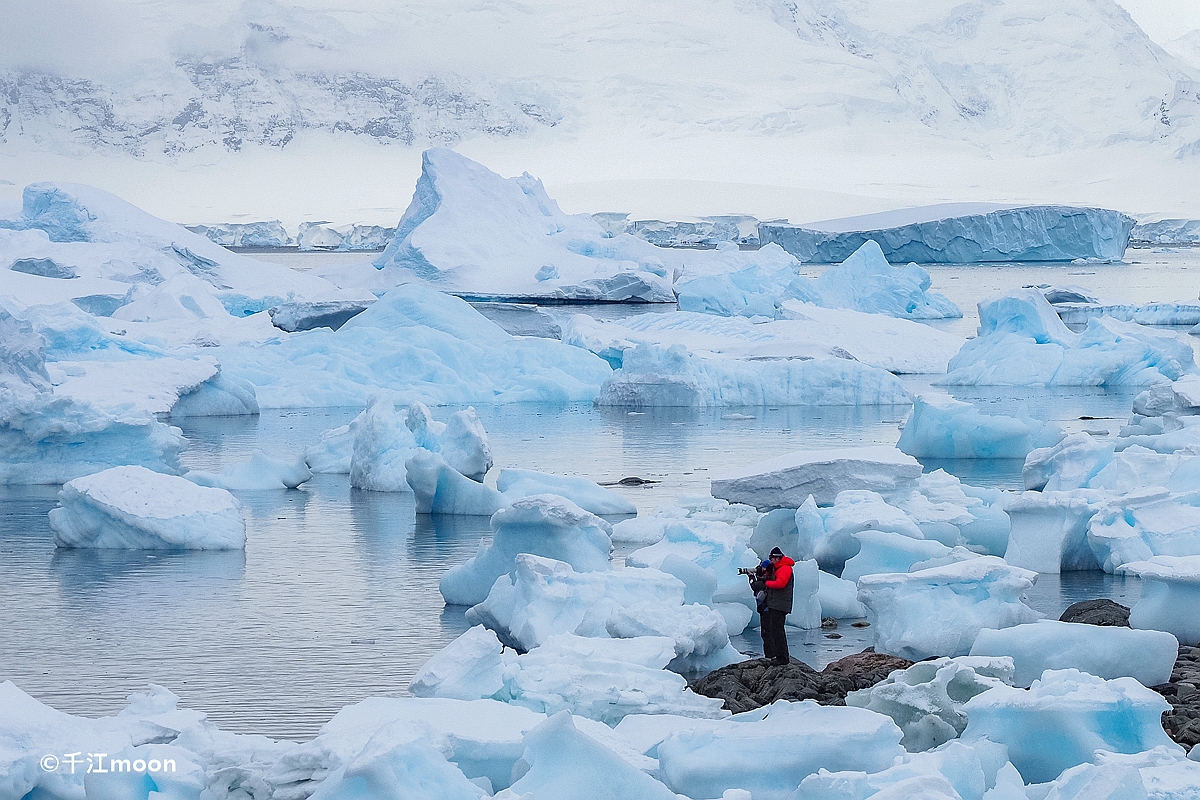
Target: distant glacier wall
1026, 233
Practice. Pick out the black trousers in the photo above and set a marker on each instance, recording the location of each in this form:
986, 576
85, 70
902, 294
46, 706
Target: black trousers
774, 639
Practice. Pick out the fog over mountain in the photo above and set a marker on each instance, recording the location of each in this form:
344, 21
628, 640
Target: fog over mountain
871, 99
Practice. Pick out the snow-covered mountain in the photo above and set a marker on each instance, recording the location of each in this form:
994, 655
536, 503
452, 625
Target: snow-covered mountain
722, 90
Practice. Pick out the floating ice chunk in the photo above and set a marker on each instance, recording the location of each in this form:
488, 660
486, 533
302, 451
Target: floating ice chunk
542, 525
1106, 652
471, 667
438, 489
260, 473
768, 751
947, 511
963, 233
839, 598
219, 396
469, 230
398, 761
942, 427
940, 610
926, 699
1134, 468
827, 534
1170, 592
787, 481
1070, 464
514, 483
134, 508
648, 530
1164, 772
653, 376
954, 771
521, 319
1140, 313
884, 551
544, 597
1145, 524
865, 281
1050, 530
382, 443
420, 344
1064, 718
1022, 342
343, 238
481, 737
464, 444
563, 762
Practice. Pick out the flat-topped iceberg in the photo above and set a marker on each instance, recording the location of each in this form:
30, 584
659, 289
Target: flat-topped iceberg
134, 508
1104, 651
804, 332
768, 751
1064, 718
470, 231
1022, 342
1170, 591
942, 427
962, 233
940, 610
787, 481
1050, 530
1165, 232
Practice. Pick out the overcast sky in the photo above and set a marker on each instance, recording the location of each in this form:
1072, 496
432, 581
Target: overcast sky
1164, 20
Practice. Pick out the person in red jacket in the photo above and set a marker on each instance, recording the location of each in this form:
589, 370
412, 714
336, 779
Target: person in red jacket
778, 606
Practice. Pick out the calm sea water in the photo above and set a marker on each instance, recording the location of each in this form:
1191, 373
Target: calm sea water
335, 597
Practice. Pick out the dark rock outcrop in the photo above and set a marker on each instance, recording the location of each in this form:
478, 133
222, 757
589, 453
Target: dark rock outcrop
1097, 612
751, 684
1182, 722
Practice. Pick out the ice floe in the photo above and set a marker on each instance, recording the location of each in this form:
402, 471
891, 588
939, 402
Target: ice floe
135, 508
260, 473
942, 427
1170, 591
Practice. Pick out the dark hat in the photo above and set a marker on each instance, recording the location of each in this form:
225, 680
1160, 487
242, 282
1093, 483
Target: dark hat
775, 551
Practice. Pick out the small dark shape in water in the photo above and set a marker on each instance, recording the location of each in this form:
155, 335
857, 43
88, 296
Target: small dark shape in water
829, 623
1097, 612
833, 636
634, 481
362, 641
860, 624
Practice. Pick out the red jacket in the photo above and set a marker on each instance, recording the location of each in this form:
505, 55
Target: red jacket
779, 588
783, 574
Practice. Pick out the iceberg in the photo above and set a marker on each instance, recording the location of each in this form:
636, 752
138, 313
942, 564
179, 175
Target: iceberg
544, 597
838, 597
100, 236
1145, 524
469, 231
1160, 772
1167, 232
705, 508
938, 611
1170, 590
942, 427
804, 332
1064, 717
134, 508
962, 233
768, 751
787, 481
260, 473
926, 699
1106, 652
829, 534
601, 679
382, 445
563, 762
438, 489
1022, 342
270, 234
653, 376
542, 525
306, 315
1050, 530
421, 345
521, 319
882, 551
710, 231
320, 235
865, 282
48, 438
